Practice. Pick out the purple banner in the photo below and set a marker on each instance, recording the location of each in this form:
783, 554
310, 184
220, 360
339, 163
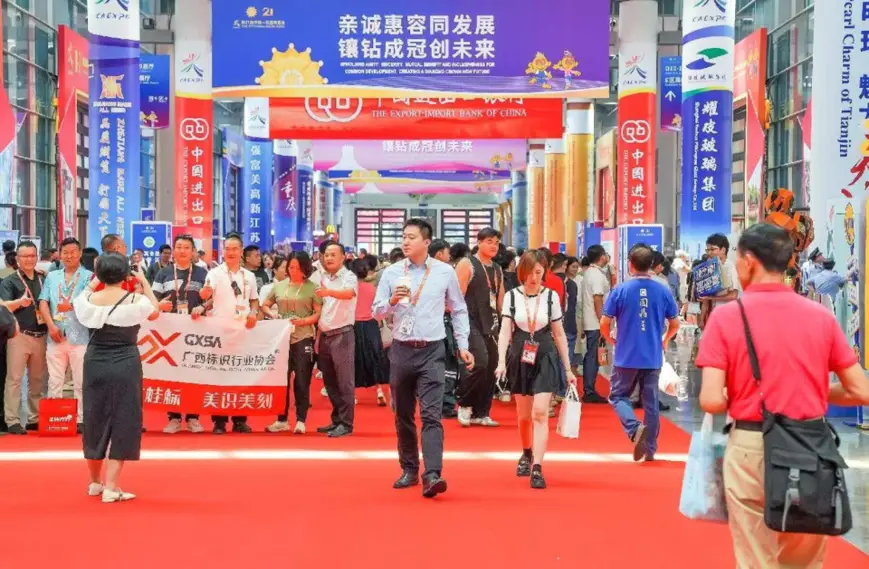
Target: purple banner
671, 93
286, 223
155, 82
305, 225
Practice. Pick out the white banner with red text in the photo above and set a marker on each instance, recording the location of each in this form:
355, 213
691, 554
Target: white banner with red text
214, 366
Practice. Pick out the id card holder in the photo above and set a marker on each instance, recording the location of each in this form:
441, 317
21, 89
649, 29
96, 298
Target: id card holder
240, 312
493, 302
405, 328
529, 353
182, 308
39, 319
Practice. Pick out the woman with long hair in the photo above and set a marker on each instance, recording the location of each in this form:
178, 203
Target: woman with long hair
112, 386
296, 300
532, 347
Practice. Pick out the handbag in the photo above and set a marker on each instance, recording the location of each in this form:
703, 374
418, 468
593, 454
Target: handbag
57, 417
804, 478
571, 411
702, 495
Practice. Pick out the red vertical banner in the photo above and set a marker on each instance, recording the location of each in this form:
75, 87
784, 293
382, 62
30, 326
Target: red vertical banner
7, 150
638, 81
72, 84
194, 137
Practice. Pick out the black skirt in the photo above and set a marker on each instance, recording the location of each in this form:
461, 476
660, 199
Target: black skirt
543, 375
370, 368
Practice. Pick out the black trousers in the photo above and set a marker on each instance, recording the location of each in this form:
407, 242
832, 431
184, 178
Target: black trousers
418, 374
336, 361
302, 365
477, 386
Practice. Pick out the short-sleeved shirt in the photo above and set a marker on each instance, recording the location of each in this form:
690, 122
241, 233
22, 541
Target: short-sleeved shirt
640, 307
53, 289
338, 313
795, 370
594, 283
134, 311
225, 298
13, 288
296, 301
518, 306
554, 283
171, 282
364, 301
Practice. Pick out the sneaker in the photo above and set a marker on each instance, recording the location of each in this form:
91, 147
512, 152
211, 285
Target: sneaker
16, 429
537, 480
95, 489
464, 416
173, 427
278, 427
118, 495
486, 422
639, 441
194, 426
243, 428
300, 428
524, 466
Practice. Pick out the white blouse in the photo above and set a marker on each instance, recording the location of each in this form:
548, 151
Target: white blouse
127, 314
517, 298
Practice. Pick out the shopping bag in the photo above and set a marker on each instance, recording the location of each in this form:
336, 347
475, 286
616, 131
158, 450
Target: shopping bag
571, 410
703, 484
57, 417
668, 380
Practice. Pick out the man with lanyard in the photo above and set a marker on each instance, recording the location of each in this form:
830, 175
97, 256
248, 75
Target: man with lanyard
337, 341
414, 292
26, 351
482, 283
233, 289
161, 263
177, 287
68, 338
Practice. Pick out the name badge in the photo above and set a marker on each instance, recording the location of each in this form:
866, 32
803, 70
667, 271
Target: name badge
529, 353
182, 308
493, 301
39, 319
405, 328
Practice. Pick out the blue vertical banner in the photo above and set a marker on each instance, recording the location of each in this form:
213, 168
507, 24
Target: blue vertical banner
707, 121
337, 204
671, 93
155, 81
305, 226
256, 198
631, 235
286, 177
520, 209
114, 141
232, 153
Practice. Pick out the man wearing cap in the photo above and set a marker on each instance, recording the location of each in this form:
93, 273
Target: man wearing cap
813, 266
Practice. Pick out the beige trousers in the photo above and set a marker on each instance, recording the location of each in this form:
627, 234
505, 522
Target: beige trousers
755, 545
24, 353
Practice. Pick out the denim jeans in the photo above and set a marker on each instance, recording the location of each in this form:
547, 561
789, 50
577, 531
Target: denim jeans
571, 348
590, 366
622, 384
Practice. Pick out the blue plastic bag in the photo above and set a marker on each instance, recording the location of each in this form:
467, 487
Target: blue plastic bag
703, 485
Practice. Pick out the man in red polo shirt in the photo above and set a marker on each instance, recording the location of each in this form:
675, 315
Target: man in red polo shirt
112, 243
795, 379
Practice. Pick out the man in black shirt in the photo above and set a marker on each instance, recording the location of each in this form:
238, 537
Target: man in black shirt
27, 351
253, 262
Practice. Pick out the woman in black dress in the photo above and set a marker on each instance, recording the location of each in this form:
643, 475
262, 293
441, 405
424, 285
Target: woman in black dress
112, 390
531, 348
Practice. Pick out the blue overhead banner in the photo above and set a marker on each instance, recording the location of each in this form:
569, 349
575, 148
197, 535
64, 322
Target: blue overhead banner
149, 236
256, 197
671, 93
155, 82
114, 118
707, 122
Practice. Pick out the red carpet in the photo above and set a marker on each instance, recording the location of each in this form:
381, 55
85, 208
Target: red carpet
343, 513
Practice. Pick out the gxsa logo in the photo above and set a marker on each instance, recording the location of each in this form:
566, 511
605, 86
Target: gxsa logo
204, 341
195, 129
720, 4
339, 110
191, 69
636, 132
156, 349
707, 58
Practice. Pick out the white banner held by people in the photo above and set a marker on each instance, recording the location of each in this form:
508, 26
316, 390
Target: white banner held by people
214, 367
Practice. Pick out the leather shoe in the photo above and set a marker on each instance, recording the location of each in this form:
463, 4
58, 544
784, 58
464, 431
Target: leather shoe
340, 431
407, 480
433, 485
328, 428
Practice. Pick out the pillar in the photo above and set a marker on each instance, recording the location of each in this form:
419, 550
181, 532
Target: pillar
535, 177
553, 191
579, 168
520, 209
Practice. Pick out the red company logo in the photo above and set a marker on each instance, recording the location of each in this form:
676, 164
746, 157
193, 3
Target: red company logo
157, 347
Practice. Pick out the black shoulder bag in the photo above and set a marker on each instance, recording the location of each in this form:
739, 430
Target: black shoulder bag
804, 478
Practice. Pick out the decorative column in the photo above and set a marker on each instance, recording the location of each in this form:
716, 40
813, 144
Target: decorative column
579, 168
535, 176
553, 222
520, 209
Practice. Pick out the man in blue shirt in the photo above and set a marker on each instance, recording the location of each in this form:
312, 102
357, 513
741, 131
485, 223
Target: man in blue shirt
640, 307
68, 337
827, 281
414, 292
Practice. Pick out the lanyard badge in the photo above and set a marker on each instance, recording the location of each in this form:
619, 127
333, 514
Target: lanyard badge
405, 327
529, 347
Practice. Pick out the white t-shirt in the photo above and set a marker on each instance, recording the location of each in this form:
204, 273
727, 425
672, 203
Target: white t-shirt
225, 299
338, 313
125, 315
595, 282
517, 298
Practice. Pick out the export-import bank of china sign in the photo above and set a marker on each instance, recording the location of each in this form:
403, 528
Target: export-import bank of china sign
393, 48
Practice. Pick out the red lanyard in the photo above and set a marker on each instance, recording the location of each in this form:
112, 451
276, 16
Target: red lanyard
532, 324
486, 274
415, 298
186, 286
65, 298
27, 290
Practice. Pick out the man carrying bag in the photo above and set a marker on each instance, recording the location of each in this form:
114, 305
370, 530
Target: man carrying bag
782, 470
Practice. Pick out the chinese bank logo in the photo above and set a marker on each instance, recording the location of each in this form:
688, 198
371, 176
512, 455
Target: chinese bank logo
190, 67
720, 4
340, 110
111, 87
634, 69
707, 58
155, 348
